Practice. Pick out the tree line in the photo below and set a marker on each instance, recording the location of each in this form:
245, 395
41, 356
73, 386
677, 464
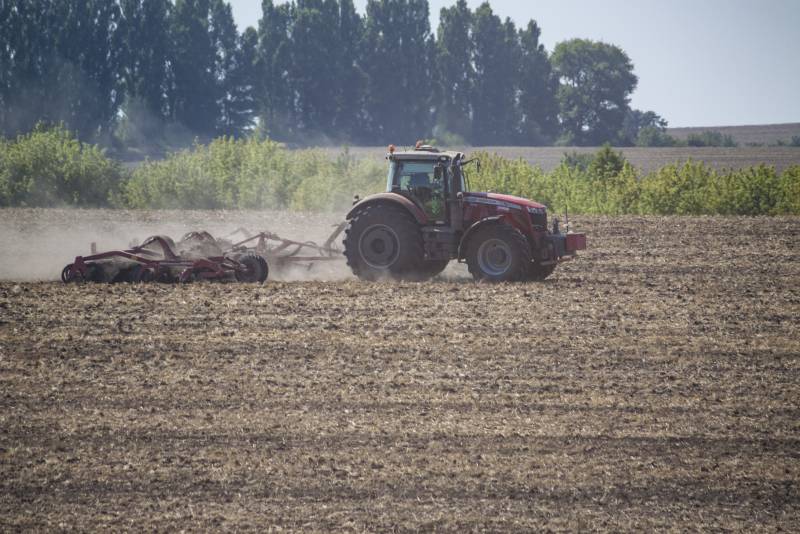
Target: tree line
313, 71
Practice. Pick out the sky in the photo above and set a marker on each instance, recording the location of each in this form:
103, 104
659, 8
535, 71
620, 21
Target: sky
699, 62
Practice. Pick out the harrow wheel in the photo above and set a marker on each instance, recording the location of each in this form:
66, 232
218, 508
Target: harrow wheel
255, 269
94, 273
68, 275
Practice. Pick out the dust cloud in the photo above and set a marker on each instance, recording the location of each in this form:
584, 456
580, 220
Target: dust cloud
37, 243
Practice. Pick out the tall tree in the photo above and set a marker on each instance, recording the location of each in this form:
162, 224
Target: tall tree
194, 92
397, 54
596, 82
313, 74
538, 106
239, 103
233, 70
144, 29
454, 74
349, 116
497, 56
61, 64
145, 70
276, 100
8, 26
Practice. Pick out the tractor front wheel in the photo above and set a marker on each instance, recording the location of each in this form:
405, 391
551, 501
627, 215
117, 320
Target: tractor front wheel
498, 253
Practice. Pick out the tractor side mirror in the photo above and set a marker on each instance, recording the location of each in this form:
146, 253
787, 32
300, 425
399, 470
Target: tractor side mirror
438, 172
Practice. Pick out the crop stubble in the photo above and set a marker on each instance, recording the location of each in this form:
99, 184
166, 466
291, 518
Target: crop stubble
653, 382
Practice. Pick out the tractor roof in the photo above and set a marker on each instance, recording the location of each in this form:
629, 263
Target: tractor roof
425, 152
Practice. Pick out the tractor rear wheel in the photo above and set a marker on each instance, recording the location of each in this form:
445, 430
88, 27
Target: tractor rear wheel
384, 241
255, 269
498, 253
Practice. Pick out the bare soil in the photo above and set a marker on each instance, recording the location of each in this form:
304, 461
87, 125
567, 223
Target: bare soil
653, 383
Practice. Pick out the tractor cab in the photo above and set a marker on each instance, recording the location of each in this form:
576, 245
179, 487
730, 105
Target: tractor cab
427, 177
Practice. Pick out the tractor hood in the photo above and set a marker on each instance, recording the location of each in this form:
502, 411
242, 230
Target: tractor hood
498, 199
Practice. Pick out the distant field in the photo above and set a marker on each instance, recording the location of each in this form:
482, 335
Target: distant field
767, 134
647, 159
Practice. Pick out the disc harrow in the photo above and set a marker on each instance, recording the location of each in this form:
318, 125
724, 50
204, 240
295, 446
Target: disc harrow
197, 256
242, 256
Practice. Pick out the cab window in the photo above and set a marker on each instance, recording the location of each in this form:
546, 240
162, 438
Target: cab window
418, 181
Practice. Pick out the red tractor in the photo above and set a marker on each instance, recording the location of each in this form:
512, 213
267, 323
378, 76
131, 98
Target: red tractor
428, 216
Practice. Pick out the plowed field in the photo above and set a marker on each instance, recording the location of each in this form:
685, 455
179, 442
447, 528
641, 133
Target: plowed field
652, 383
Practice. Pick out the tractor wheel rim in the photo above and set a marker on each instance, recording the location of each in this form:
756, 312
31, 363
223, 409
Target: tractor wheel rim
494, 257
379, 246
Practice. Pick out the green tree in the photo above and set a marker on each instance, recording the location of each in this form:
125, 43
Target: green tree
397, 61
497, 59
234, 57
60, 64
313, 74
144, 39
193, 96
349, 117
455, 74
596, 82
537, 90
239, 98
275, 100
655, 137
637, 120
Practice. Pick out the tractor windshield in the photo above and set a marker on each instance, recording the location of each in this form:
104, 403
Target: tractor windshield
418, 181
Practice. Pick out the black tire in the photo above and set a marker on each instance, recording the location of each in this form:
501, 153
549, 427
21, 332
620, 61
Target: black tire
256, 269
94, 273
537, 272
384, 241
67, 275
498, 253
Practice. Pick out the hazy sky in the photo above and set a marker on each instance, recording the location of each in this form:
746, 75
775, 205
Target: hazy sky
699, 62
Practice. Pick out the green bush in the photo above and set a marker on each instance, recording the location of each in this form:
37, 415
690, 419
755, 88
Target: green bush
650, 136
610, 185
251, 174
49, 167
710, 138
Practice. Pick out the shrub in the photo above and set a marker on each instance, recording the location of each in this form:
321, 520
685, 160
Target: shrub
251, 174
710, 138
650, 136
49, 167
